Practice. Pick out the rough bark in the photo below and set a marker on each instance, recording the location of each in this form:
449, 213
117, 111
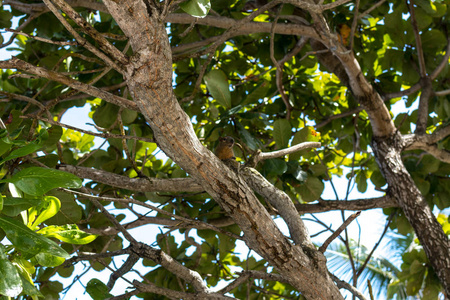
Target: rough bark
149, 77
402, 188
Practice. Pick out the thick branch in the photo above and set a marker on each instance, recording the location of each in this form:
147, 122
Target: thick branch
402, 187
427, 142
281, 202
359, 204
149, 78
135, 184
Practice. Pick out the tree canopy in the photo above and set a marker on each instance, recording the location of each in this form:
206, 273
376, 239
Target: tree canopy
306, 90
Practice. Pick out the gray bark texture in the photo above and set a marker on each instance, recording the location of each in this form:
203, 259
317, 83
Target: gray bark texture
149, 77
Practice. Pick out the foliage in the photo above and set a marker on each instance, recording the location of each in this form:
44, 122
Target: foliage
233, 94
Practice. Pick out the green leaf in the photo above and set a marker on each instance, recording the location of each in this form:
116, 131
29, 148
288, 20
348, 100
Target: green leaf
54, 135
105, 115
282, 132
97, 289
217, 83
377, 179
196, 8
5, 19
415, 281
49, 260
69, 233
23, 151
274, 166
10, 283
249, 140
361, 182
13, 206
311, 189
36, 181
70, 211
429, 165
26, 240
258, 93
4, 146
299, 137
47, 209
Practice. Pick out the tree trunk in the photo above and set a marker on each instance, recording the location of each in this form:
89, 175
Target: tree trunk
149, 77
402, 188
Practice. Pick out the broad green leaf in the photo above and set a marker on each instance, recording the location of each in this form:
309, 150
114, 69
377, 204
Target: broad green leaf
49, 260
29, 289
274, 166
70, 211
299, 137
23, 151
258, 93
311, 189
4, 146
27, 240
429, 164
196, 8
10, 283
36, 181
377, 179
128, 116
217, 83
54, 135
47, 209
97, 289
249, 140
282, 132
361, 182
105, 115
415, 281
5, 19
13, 206
69, 233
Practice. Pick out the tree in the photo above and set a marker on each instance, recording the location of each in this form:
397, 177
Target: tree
280, 77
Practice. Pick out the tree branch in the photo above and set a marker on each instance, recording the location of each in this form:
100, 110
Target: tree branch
245, 275
135, 184
15, 63
103, 43
359, 204
335, 234
422, 67
427, 142
281, 202
347, 286
259, 156
82, 41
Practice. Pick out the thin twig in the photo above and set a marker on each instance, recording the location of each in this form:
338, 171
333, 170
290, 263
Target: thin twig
269, 155
354, 23
361, 269
104, 135
60, 43
344, 225
368, 11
